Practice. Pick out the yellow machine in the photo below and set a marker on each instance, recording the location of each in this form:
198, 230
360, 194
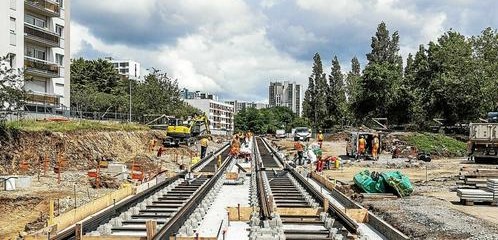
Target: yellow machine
188, 131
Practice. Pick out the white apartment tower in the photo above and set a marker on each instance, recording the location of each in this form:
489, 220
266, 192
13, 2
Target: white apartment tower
220, 115
285, 94
128, 68
36, 39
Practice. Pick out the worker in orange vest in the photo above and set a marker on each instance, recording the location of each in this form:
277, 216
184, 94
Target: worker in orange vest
361, 146
319, 137
298, 146
375, 147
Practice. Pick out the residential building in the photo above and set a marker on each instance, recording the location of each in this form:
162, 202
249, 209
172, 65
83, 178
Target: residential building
36, 39
128, 68
220, 114
242, 105
285, 94
186, 94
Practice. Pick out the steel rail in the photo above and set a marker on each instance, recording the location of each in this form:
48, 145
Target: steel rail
174, 224
349, 223
381, 226
104, 216
263, 198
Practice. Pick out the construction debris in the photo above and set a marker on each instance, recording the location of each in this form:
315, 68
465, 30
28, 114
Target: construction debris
469, 196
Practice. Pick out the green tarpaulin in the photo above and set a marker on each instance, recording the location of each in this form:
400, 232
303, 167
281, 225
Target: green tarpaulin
389, 181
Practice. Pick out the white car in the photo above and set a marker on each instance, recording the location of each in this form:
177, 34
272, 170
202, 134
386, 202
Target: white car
302, 134
280, 134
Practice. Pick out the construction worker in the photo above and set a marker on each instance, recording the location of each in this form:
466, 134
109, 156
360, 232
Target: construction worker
375, 147
204, 146
319, 137
319, 163
235, 145
361, 146
298, 146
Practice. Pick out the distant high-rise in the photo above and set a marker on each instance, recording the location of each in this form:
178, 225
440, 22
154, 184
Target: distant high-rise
285, 94
128, 68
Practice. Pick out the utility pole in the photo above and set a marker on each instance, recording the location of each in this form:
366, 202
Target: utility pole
129, 84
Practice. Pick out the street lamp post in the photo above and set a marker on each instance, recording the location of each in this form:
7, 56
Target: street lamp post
129, 84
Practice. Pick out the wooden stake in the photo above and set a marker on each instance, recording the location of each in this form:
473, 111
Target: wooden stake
325, 204
51, 212
150, 226
78, 231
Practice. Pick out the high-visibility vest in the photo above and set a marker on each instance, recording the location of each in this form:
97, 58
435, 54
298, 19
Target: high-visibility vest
204, 142
320, 137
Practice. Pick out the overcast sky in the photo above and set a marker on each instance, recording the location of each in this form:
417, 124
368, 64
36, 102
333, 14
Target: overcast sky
236, 47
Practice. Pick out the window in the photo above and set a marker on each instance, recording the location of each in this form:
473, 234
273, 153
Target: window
35, 21
124, 64
124, 70
12, 31
13, 4
60, 2
59, 84
12, 60
59, 30
59, 59
37, 53
12, 24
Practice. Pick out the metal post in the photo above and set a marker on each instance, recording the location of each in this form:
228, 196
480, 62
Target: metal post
129, 83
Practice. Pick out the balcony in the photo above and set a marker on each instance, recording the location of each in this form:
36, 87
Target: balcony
43, 98
41, 36
43, 7
41, 68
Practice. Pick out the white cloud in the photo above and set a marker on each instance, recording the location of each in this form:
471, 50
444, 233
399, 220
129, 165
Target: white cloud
229, 52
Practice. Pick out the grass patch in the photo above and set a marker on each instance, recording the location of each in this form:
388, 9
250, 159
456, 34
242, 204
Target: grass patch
437, 144
71, 126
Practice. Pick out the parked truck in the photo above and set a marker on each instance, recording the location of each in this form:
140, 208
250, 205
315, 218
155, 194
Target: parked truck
483, 140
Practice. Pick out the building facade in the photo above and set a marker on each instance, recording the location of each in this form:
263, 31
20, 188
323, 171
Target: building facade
285, 94
128, 68
243, 105
186, 94
36, 40
220, 114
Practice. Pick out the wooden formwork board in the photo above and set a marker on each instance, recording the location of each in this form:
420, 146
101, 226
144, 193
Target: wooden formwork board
323, 180
299, 211
360, 215
71, 217
245, 213
193, 238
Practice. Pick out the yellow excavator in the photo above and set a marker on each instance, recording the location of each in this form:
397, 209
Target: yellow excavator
187, 131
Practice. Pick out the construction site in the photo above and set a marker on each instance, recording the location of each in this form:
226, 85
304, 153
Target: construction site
121, 184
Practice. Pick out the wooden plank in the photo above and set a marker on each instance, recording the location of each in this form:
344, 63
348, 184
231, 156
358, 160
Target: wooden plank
324, 181
360, 215
231, 175
299, 211
193, 238
113, 238
245, 213
71, 217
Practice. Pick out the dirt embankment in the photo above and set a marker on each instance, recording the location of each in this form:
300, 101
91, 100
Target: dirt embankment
80, 149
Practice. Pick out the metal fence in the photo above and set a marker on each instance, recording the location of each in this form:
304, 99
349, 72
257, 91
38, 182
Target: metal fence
41, 112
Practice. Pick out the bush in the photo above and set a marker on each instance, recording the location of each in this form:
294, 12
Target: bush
437, 144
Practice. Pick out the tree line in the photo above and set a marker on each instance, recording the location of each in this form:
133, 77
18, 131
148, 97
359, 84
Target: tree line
454, 78
96, 86
267, 120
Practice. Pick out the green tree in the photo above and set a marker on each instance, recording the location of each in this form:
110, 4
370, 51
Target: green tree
380, 93
352, 79
316, 105
336, 96
12, 93
455, 87
485, 48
